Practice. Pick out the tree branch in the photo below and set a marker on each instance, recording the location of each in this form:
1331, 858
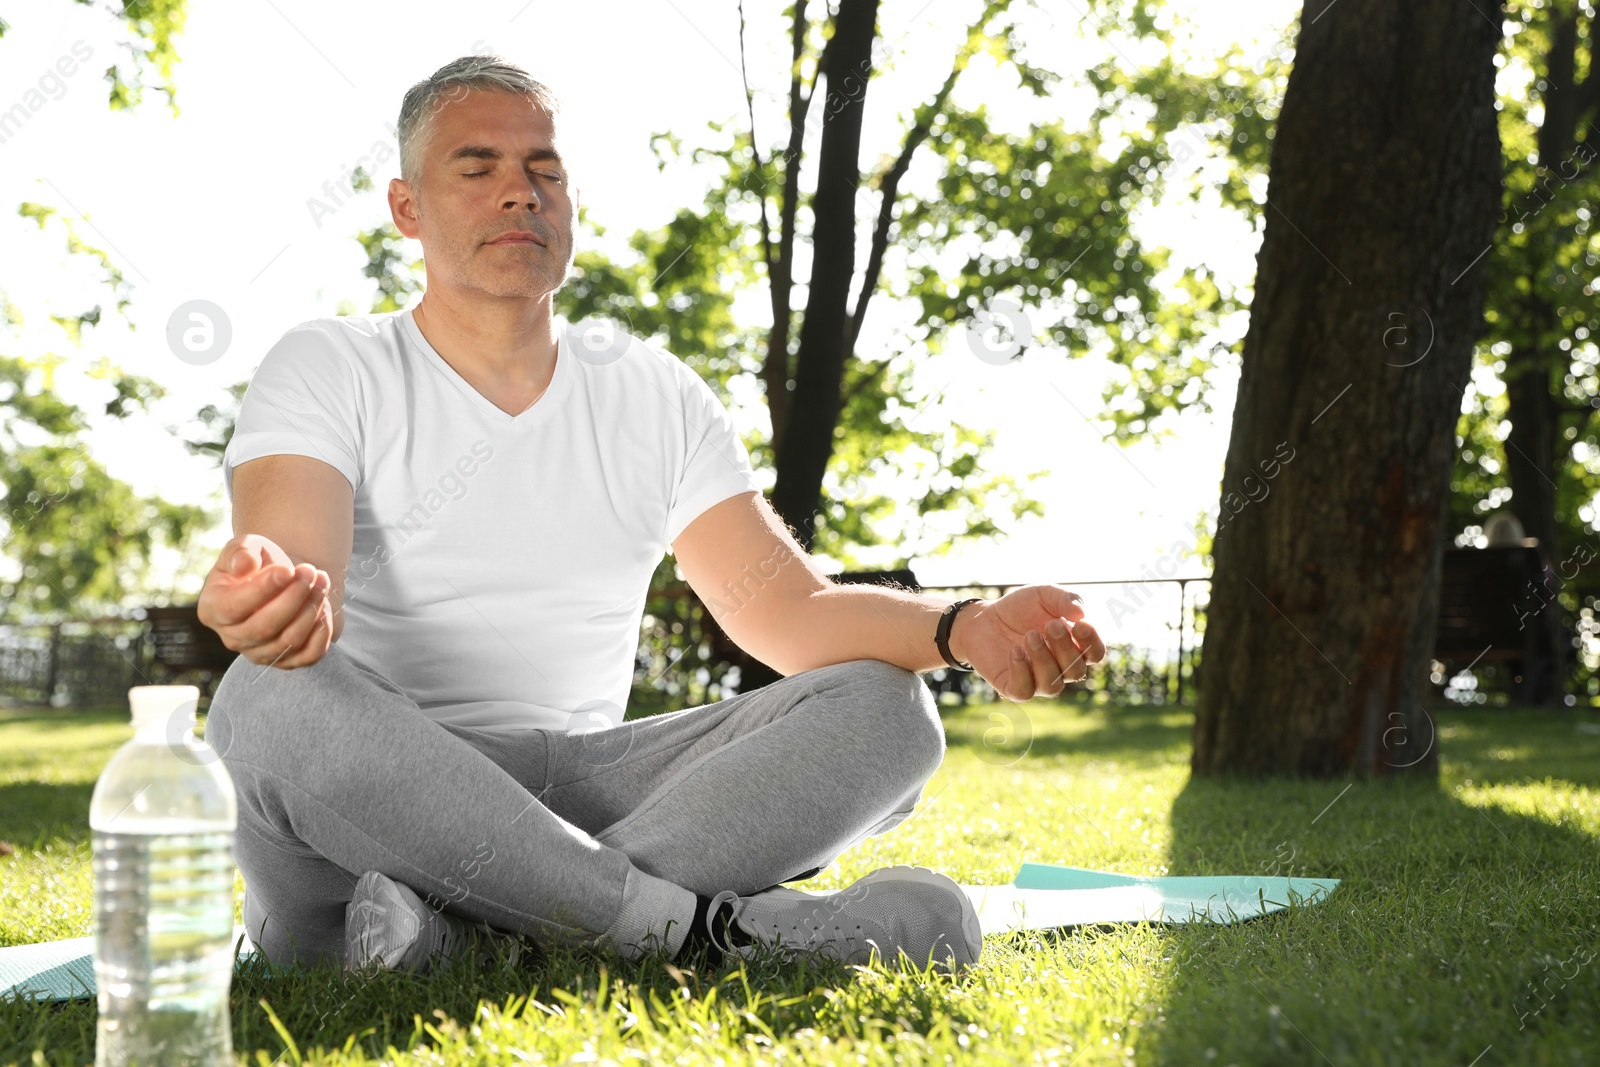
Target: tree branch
775, 372
755, 144
866, 379
889, 185
1587, 95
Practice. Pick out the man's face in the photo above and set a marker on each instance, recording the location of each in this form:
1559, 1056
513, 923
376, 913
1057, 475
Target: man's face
490, 167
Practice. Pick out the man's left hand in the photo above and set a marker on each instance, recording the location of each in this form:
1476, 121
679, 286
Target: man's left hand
1046, 622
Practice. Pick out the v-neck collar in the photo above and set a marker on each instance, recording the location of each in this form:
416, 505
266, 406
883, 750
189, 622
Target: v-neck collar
552, 393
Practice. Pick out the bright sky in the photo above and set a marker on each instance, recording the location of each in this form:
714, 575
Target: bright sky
282, 98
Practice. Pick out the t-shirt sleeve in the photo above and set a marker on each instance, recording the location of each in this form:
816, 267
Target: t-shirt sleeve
300, 402
716, 464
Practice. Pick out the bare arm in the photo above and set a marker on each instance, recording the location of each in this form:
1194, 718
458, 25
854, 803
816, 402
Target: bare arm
775, 602
276, 592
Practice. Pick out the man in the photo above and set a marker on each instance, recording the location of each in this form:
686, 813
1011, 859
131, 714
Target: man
446, 520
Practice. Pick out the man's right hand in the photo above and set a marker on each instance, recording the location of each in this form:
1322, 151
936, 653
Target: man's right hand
266, 608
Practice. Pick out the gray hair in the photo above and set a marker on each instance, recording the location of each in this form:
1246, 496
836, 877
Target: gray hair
424, 100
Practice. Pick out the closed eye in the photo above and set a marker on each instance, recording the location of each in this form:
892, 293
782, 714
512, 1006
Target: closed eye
481, 173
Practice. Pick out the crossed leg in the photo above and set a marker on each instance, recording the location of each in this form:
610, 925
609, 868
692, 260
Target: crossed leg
571, 837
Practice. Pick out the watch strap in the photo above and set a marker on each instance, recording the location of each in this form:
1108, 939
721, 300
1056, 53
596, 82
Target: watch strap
941, 637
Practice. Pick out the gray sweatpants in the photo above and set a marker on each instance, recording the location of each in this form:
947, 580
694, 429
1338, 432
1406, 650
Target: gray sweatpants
595, 838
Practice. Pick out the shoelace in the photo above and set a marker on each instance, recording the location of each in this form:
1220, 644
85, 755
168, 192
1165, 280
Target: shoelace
810, 933
711, 916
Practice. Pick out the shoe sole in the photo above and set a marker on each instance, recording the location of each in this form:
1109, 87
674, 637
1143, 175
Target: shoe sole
971, 928
380, 923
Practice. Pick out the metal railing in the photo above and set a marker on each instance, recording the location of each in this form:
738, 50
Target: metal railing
1130, 673
75, 662
82, 662
678, 667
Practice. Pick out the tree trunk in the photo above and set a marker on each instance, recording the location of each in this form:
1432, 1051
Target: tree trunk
1535, 449
1534, 454
1384, 194
813, 415
1531, 445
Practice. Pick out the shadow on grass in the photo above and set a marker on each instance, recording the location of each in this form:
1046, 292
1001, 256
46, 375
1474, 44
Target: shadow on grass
1139, 732
1506, 746
1452, 902
1005, 732
378, 1010
1460, 930
35, 813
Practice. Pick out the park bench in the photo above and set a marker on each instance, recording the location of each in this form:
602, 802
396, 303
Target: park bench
1498, 606
186, 648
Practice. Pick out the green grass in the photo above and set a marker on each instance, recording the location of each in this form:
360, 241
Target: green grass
1458, 900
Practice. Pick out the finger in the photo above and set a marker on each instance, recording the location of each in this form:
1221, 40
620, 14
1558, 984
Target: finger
1074, 668
238, 562
271, 617
1021, 674
291, 637
247, 553
316, 643
1089, 640
235, 600
1065, 604
307, 652
1046, 671
297, 635
231, 604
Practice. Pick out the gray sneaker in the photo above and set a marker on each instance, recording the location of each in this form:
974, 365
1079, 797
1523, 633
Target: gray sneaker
893, 912
388, 924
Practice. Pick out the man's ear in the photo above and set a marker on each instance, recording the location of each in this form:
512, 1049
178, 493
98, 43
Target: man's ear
403, 208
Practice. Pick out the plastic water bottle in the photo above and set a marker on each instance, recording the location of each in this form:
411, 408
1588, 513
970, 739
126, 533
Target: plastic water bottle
162, 817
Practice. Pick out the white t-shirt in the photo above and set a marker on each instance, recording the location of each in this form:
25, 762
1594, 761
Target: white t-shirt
500, 563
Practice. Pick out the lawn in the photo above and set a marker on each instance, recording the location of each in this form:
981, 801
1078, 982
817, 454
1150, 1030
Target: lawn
1462, 934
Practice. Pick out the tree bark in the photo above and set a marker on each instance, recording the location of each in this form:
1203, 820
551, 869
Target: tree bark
1383, 197
807, 444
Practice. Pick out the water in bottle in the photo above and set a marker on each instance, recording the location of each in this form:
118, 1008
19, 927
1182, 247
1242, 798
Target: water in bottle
162, 818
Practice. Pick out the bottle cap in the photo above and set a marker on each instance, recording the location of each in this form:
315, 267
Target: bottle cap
157, 707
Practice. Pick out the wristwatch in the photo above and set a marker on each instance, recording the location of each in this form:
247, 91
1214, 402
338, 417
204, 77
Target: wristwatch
941, 636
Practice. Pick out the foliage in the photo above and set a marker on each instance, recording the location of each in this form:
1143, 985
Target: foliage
398, 278
151, 26
1541, 295
1542, 310
1040, 217
218, 422
1189, 125
83, 540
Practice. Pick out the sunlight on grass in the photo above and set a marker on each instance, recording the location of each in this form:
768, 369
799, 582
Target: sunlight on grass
1456, 898
1556, 802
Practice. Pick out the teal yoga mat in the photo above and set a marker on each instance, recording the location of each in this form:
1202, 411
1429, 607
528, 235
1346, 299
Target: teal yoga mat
1041, 897
64, 970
